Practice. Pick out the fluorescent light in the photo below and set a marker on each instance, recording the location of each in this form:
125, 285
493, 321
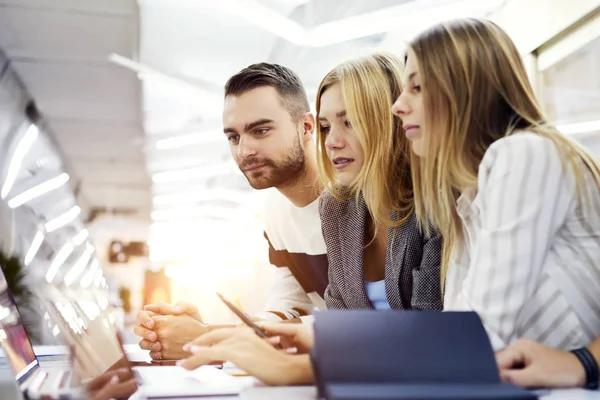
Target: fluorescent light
37, 241
58, 261
379, 21
17, 159
63, 219
144, 72
162, 164
211, 136
39, 190
406, 20
81, 237
266, 18
579, 127
200, 194
409, 17
88, 278
193, 173
383, 20
56, 331
195, 212
4, 312
98, 278
78, 268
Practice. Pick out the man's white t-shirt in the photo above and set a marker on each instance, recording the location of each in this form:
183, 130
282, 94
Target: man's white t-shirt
299, 256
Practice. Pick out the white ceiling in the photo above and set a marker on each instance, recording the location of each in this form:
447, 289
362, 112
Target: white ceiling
91, 107
188, 50
115, 77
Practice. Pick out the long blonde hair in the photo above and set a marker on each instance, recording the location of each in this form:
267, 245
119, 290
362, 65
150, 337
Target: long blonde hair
369, 87
475, 91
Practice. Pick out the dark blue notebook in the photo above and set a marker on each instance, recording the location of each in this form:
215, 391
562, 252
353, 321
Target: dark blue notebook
406, 355
389, 391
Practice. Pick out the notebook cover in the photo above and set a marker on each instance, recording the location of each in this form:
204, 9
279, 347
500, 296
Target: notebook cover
403, 347
426, 392
444, 355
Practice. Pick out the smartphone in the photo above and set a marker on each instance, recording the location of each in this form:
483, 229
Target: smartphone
245, 319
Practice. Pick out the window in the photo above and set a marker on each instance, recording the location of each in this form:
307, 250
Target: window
569, 83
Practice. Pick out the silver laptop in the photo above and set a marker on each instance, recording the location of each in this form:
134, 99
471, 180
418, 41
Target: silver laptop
33, 380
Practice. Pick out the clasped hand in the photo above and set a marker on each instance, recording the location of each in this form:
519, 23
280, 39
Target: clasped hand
165, 328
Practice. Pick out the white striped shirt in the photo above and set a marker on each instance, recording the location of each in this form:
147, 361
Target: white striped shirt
529, 264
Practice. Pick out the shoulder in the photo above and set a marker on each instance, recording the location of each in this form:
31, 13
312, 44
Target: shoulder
521, 153
330, 206
326, 200
523, 142
413, 230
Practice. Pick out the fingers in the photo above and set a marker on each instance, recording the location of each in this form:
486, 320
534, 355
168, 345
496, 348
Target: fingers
292, 335
187, 308
216, 336
116, 390
510, 358
181, 307
164, 308
150, 346
274, 340
145, 333
205, 355
120, 374
521, 377
145, 318
283, 329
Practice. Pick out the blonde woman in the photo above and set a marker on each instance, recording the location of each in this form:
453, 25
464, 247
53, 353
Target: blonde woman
378, 256
517, 202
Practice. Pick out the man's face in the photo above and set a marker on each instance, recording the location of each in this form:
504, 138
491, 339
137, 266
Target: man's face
263, 139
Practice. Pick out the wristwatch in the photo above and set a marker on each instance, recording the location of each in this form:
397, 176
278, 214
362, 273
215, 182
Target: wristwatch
590, 366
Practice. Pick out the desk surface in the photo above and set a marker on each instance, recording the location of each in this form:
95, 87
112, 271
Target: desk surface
310, 393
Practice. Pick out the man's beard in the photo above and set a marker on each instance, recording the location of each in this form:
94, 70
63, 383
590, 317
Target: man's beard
277, 174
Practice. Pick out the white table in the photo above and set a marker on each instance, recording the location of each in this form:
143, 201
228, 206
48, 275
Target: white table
310, 393
261, 392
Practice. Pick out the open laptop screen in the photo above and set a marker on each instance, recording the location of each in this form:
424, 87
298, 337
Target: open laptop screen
13, 337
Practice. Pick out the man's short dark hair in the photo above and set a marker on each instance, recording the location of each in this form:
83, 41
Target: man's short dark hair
282, 79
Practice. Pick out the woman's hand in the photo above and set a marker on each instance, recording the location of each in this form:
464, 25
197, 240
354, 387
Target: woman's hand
530, 364
113, 384
298, 337
252, 354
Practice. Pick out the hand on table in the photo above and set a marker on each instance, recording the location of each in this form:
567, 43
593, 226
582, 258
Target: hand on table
166, 328
253, 354
113, 384
530, 364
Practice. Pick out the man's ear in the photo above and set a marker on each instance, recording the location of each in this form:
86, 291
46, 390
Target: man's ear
308, 125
